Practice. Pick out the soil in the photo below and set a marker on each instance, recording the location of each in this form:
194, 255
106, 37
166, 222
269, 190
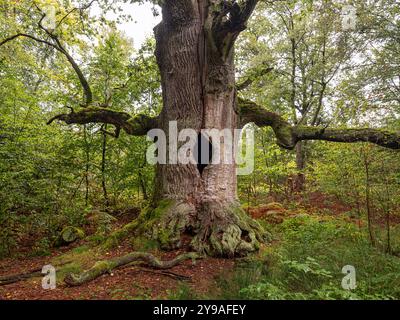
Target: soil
130, 282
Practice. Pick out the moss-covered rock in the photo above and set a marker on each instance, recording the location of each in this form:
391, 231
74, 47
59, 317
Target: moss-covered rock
276, 206
102, 221
69, 235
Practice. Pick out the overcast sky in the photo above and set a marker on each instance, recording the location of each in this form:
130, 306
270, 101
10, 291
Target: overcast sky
143, 23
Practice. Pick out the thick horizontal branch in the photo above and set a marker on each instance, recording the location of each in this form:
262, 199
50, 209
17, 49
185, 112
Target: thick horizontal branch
288, 136
106, 266
380, 137
137, 125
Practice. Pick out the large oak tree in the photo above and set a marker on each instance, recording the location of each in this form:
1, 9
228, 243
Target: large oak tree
195, 54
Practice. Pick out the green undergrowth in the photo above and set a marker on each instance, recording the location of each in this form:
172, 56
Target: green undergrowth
306, 260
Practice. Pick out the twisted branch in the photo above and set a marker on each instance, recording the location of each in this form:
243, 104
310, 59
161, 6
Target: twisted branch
288, 136
107, 266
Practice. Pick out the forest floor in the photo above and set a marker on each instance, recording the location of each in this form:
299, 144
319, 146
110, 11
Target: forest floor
139, 282
129, 282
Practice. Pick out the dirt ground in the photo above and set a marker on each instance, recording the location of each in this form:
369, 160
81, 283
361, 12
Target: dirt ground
130, 282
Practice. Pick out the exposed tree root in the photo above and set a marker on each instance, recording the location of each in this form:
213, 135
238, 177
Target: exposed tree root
225, 230
220, 229
169, 274
107, 266
36, 273
20, 277
115, 238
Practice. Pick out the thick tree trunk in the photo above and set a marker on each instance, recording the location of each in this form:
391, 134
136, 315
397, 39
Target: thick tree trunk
199, 93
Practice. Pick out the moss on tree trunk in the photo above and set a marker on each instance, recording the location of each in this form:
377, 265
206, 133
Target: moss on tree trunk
214, 228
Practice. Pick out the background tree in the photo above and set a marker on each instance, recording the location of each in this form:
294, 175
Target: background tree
306, 48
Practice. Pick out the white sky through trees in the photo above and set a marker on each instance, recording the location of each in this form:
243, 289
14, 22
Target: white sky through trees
142, 25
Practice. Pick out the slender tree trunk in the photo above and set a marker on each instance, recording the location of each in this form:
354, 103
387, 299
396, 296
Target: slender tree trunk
87, 164
299, 184
103, 167
386, 208
264, 150
368, 198
143, 185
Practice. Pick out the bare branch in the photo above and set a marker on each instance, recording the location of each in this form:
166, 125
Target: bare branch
85, 84
57, 45
247, 10
84, 7
82, 79
27, 36
253, 76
